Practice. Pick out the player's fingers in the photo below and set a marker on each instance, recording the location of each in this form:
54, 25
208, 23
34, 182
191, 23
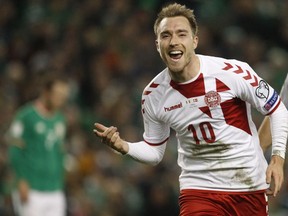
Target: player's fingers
269, 192
99, 134
107, 135
99, 127
275, 187
109, 132
276, 191
114, 137
268, 176
104, 132
278, 180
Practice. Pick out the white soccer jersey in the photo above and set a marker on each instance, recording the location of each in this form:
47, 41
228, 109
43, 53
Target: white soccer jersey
284, 92
218, 146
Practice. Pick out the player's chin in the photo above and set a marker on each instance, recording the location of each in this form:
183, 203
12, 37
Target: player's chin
175, 68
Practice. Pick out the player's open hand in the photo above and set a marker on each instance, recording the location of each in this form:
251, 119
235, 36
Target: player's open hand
275, 175
110, 137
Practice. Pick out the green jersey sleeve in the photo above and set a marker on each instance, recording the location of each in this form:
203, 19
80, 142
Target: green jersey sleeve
17, 147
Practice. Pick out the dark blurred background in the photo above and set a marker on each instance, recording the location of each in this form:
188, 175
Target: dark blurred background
107, 50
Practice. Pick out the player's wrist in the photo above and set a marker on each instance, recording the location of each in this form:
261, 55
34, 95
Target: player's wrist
123, 149
279, 153
276, 159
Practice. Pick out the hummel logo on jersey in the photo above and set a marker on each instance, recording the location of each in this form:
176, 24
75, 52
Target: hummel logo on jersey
177, 106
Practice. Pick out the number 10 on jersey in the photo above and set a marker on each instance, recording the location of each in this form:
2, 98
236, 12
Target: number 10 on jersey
203, 131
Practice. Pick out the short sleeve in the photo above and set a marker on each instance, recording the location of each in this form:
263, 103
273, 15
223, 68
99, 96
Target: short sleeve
156, 132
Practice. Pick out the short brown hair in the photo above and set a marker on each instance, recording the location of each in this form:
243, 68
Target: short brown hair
50, 80
173, 10
45, 81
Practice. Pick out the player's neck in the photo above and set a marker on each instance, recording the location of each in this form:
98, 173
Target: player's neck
43, 109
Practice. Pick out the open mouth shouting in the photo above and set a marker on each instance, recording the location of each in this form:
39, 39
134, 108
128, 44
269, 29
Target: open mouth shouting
175, 55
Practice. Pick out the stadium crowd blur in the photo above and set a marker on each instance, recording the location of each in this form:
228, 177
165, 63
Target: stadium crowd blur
107, 50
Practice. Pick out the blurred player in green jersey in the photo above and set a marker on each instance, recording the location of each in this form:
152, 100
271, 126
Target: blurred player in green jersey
36, 138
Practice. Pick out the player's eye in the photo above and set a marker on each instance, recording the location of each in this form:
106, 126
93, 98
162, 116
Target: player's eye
163, 36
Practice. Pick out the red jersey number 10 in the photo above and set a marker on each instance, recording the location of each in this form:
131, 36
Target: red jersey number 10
206, 130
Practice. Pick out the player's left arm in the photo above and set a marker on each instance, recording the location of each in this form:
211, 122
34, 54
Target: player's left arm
256, 91
264, 131
275, 170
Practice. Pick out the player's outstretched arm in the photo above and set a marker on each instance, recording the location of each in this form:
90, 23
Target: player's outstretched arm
110, 137
139, 151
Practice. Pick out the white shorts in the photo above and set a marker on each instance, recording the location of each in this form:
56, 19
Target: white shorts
40, 203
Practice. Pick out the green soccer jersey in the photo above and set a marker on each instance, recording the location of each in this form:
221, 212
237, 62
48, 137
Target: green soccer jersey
36, 148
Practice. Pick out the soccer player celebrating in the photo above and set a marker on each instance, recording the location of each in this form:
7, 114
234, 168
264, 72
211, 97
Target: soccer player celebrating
36, 139
207, 101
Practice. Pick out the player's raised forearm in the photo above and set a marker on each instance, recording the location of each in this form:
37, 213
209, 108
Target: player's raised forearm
110, 137
140, 151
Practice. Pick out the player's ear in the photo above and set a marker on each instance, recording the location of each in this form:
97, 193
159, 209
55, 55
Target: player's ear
157, 45
195, 41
